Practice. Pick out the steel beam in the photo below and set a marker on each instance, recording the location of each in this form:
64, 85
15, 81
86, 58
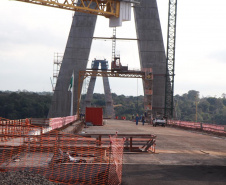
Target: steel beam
129, 74
105, 8
97, 73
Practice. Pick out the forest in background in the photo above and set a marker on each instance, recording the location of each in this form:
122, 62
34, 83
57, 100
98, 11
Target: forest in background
209, 109
24, 104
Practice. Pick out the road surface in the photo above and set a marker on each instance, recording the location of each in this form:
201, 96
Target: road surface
182, 157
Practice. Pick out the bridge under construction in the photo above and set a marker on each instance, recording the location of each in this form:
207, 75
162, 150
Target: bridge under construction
64, 150
151, 52
70, 149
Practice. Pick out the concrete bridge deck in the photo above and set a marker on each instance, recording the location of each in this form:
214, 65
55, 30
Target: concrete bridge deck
182, 157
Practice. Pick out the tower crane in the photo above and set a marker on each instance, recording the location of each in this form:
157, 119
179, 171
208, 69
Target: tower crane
107, 8
170, 59
116, 10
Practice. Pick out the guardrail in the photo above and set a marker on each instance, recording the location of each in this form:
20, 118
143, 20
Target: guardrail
133, 142
31, 126
16, 128
61, 121
220, 129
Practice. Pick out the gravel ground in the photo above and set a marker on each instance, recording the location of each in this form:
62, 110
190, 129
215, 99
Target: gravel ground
22, 178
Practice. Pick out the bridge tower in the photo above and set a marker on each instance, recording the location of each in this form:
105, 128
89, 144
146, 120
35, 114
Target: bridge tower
109, 110
151, 53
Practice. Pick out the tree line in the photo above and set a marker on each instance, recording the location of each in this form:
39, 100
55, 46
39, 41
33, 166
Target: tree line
190, 106
124, 106
24, 104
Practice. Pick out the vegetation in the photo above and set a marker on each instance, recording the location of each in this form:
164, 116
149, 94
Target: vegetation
23, 104
209, 109
123, 105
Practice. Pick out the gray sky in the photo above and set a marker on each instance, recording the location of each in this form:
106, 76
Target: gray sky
31, 34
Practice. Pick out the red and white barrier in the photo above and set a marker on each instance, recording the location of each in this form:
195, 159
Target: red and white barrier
196, 125
61, 121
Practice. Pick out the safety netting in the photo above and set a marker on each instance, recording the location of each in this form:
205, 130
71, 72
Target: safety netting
115, 170
59, 157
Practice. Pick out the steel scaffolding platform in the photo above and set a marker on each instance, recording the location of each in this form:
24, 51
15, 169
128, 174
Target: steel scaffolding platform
146, 74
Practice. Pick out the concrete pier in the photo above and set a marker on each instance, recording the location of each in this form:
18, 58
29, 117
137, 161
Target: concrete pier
75, 59
151, 48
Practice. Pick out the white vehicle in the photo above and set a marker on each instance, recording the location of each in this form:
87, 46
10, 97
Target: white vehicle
160, 122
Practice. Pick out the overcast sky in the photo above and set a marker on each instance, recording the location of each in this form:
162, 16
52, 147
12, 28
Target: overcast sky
31, 34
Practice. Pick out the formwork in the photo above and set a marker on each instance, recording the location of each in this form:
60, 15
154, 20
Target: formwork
63, 158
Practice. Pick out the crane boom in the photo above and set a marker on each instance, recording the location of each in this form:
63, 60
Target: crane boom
105, 8
170, 58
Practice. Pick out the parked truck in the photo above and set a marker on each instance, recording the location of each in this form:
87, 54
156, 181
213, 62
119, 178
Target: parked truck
159, 121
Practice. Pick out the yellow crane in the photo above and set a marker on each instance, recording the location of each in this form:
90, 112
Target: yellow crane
107, 8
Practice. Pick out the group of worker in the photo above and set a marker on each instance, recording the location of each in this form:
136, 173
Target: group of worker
139, 118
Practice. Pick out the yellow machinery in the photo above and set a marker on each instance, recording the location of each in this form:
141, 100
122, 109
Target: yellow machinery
107, 8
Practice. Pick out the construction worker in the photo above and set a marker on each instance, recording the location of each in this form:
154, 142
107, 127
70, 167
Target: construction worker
143, 119
137, 119
132, 117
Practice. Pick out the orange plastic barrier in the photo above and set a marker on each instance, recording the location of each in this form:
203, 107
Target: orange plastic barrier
115, 170
3, 119
64, 158
11, 128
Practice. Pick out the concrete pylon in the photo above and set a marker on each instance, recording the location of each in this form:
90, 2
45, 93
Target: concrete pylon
109, 109
151, 49
89, 94
150, 46
75, 58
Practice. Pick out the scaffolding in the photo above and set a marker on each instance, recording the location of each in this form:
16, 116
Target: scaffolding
146, 74
58, 58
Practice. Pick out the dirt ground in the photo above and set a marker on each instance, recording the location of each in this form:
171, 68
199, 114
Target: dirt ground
182, 157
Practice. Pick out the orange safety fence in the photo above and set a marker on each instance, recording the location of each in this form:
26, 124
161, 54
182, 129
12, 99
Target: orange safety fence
221, 129
115, 170
37, 125
64, 158
16, 128
4, 119
33, 126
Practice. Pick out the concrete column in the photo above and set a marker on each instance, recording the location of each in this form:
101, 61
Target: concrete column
151, 48
75, 58
89, 94
109, 111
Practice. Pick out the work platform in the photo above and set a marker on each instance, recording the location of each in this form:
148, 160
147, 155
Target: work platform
146, 74
181, 156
